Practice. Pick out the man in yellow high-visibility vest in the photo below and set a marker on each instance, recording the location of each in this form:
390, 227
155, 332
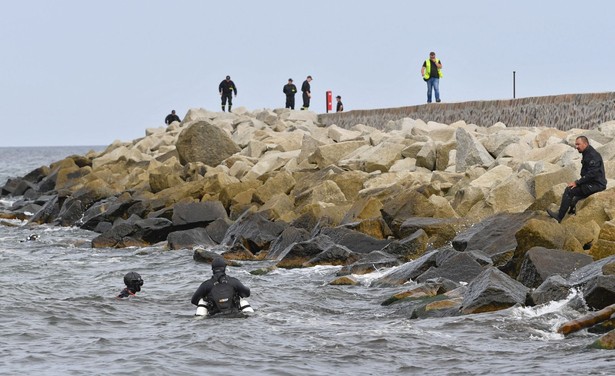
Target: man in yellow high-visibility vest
432, 72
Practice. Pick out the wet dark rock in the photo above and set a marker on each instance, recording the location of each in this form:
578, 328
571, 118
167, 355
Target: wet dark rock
289, 236
553, 288
493, 290
254, 231
540, 263
336, 256
407, 271
404, 205
435, 298
343, 281
207, 256
27, 210
48, 212
494, 236
217, 230
586, 273
371, 262
189, 239
355, 241
102, 227
600, 292
461, 267
440, 230
71, 212
410, 247
106, 210
238, 252
606, 342
198, 213
142, 231
300, 253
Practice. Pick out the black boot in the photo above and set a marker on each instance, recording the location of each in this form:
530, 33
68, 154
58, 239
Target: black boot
554, 216
229, 108
223, 108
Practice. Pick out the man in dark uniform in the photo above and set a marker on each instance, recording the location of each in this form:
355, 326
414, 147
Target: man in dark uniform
340, 106
226, 89
133, 282
307, 93
290, 90
171, 118
592, 179
221, 292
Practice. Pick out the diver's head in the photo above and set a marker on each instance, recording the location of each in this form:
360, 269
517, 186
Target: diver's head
133, 281
218, 265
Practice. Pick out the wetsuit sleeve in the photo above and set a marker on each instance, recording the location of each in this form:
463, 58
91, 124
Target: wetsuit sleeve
201, 292
234, 87
220, 87
242, 290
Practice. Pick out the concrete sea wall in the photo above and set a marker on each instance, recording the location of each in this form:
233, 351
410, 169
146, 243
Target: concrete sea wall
564, 112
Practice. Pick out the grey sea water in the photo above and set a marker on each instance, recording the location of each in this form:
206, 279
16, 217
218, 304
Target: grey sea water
59, 316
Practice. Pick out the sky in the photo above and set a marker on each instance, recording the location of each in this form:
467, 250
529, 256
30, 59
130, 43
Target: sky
75, 72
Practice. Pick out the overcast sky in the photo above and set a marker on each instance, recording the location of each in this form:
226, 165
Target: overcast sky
77, 72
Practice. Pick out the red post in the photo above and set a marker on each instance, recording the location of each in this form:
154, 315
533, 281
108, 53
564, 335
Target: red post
329, 101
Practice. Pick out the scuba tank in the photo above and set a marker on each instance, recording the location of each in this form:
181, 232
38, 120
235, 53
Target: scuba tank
244, 306
201, 309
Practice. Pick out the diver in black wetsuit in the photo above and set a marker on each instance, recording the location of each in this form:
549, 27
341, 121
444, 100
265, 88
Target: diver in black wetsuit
133, 283
221, 292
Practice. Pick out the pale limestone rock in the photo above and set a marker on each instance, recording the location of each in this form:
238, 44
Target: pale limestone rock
426, 157
122, 153
442, 133
281, 206
607, 128
412, 150
326, 155
267, 116
442, 208
281, 182
270, 161
303, 116
492, 177
550, 153
254, 149
204, 142
379, 157
338, 134
409, 164
323, 192
443, 154
470, 152
240, 169
544, 182
286, 141
511, 195
384, 180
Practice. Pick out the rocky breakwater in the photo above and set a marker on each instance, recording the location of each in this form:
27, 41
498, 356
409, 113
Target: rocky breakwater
456, 209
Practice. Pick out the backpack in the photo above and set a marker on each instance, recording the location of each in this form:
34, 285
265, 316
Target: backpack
222, 295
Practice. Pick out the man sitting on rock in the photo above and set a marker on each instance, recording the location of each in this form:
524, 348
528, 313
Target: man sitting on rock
592, 179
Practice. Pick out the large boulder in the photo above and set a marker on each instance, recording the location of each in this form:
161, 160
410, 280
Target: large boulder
254, 231
354, 240
553, 288
202, 141
411, 270
373, 261
494, 236
461, 267
493, 290
439, 230
326, 155
139, 232
307, 253
195, 214
289, 236
189, 239
470, 152
410, 247
540, 263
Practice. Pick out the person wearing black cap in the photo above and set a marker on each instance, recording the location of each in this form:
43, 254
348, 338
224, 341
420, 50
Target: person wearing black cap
307, 92
171, 118
226, 89
221, 292
340, 105
133, 282
290, 90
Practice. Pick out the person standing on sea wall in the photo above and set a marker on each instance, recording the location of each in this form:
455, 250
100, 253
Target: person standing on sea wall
432, 72
290, 90
226, 89
171, 118
340, 106
307, 93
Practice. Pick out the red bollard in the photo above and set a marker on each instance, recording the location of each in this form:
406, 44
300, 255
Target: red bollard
329, 101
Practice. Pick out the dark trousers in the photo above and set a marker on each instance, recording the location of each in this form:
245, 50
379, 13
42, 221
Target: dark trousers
228, 96
306, 101
290, 102
573, 195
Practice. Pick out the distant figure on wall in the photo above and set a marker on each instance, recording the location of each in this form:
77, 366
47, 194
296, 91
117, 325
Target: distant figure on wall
290, 90
432, 72
226, 89
307, 93
171, 118
340, 106
592, 179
